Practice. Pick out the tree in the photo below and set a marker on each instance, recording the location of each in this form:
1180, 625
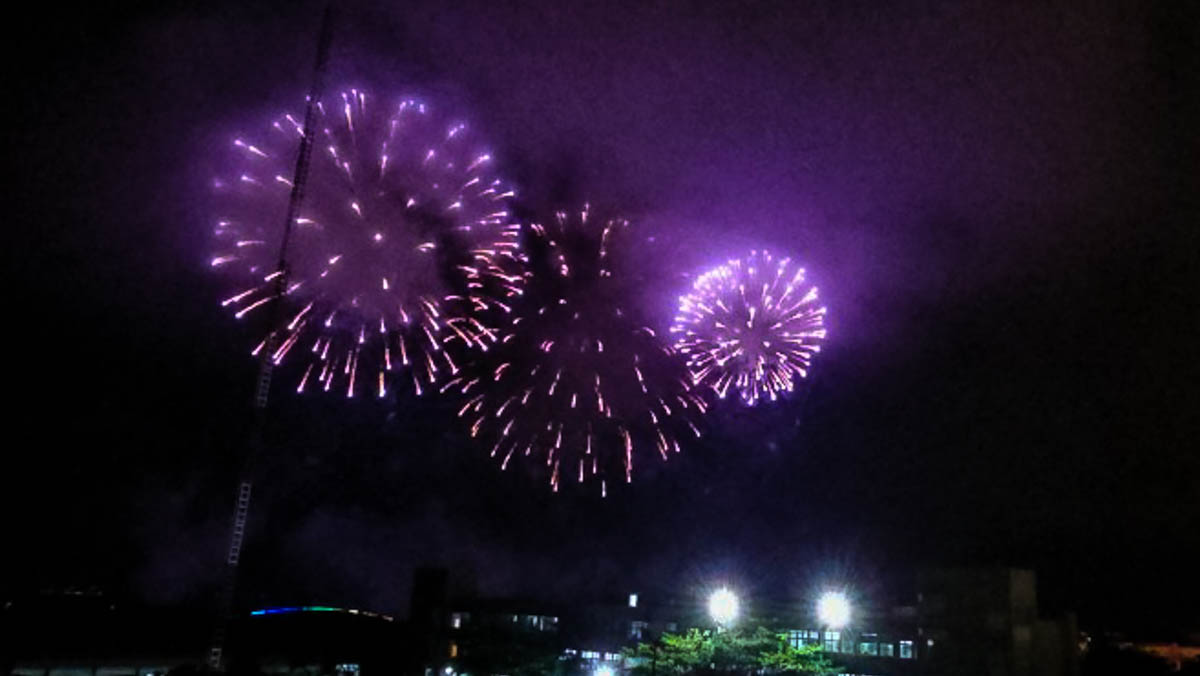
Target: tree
787, 658
728, 652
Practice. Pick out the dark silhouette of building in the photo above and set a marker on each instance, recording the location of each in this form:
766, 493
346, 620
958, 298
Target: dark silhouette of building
986, 622
84, 633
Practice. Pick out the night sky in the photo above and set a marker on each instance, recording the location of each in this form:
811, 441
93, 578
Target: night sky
999, 203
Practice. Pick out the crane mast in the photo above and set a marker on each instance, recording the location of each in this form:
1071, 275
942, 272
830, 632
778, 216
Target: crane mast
262, 390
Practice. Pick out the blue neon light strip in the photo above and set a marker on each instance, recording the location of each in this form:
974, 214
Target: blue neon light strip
318, 609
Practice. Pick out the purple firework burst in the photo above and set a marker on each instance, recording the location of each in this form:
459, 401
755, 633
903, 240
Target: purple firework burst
403, 241
753, 325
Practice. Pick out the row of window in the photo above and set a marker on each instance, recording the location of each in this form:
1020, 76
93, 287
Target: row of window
538, 622
592, 654
834, 642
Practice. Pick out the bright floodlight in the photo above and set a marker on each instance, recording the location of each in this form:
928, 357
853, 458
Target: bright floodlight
723, 606
833, 609
603, 671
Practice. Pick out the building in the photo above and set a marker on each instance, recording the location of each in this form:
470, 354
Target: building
986, 622
84, 633
983, 622
968, 621
321, 640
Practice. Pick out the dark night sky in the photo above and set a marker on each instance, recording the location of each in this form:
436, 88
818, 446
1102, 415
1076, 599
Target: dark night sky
999, 201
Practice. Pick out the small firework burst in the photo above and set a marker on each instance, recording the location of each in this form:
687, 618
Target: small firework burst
403, 240
753, 325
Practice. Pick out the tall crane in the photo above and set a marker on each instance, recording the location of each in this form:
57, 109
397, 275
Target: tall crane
262, 391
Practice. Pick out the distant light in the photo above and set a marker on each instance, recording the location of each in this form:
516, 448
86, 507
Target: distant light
603, 671
633, 600
723, 606
833, 609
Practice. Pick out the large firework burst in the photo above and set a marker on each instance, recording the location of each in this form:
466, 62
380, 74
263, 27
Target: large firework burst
576, 386
752, 324
402, 230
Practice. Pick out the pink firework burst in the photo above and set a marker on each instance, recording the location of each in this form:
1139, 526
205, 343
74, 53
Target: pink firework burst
577, 388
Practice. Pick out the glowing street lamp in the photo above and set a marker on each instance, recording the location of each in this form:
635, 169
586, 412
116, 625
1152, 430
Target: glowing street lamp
723, 607
833, 610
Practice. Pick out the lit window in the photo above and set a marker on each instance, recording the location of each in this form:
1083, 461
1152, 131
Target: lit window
456, 620
886, 650
633, 600
831, 641
637, 628
906, 650
848, 646
453, 649
590, 654
868, 648
798, 638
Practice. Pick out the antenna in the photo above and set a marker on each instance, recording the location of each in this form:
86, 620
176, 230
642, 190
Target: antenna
265, 363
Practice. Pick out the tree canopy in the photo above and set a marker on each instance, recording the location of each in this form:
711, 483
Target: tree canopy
731, 651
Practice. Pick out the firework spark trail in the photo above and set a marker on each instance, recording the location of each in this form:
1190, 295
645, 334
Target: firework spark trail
405, 240
576, 387
753, 325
